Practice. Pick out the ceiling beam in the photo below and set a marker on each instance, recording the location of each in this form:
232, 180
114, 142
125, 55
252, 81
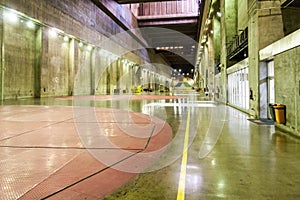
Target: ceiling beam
167, 22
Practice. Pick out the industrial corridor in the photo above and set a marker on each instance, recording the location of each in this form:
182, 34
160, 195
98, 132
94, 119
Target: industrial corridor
149, 99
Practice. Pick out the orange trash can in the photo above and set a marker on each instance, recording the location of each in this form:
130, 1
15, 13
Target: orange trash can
280, 113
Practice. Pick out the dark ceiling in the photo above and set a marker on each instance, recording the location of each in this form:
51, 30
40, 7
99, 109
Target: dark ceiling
291, 3
174, 39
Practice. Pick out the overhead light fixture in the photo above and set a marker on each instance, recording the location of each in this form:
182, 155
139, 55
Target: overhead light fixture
89, 47
11, 17
30, 24
66, 38
52, 33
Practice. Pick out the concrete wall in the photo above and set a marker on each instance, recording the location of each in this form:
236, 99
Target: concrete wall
230, 19
287, 81
21, 41
38, 64
54, 66
242, 16
265, 27
270, 23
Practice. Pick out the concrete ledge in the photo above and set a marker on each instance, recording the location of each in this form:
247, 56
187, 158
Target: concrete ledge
288, 42
288, 130
282, 127
241, 109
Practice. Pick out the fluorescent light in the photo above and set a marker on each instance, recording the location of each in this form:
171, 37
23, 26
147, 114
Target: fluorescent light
89, 47
52, 33
66, 39
30, 24
11, 17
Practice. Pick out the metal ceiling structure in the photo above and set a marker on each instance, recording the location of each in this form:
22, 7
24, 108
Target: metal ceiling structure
178, 53
175, 41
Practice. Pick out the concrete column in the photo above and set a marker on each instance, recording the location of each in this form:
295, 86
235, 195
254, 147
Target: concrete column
2, 57
210, 64
92, 70
223, 57
153, 81
71, 67
118, 74
264, 27
113, 75
108, 75
37, 63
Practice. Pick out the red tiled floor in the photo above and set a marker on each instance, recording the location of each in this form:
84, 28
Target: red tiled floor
74, 152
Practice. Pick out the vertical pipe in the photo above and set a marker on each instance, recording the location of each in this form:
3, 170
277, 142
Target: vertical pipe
2, 60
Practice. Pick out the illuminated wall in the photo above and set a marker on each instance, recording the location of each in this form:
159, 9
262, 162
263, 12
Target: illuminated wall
55, 48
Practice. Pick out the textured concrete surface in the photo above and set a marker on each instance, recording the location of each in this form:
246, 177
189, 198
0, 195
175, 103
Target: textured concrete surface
249, 161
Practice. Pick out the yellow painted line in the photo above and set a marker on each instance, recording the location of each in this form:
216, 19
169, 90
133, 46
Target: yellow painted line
182, 178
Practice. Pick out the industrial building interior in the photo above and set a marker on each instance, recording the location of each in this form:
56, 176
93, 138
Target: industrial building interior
149, 99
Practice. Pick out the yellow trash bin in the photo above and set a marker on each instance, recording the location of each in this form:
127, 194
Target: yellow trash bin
280, 113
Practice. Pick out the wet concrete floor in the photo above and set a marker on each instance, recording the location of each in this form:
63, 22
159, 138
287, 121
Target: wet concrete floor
228, 156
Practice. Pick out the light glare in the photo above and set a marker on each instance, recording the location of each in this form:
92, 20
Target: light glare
11, 17
52, 33
30, 24
66, 38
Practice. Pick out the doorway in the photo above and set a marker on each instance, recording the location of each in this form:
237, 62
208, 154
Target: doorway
267, 91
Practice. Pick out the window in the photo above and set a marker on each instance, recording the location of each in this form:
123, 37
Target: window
238, 88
